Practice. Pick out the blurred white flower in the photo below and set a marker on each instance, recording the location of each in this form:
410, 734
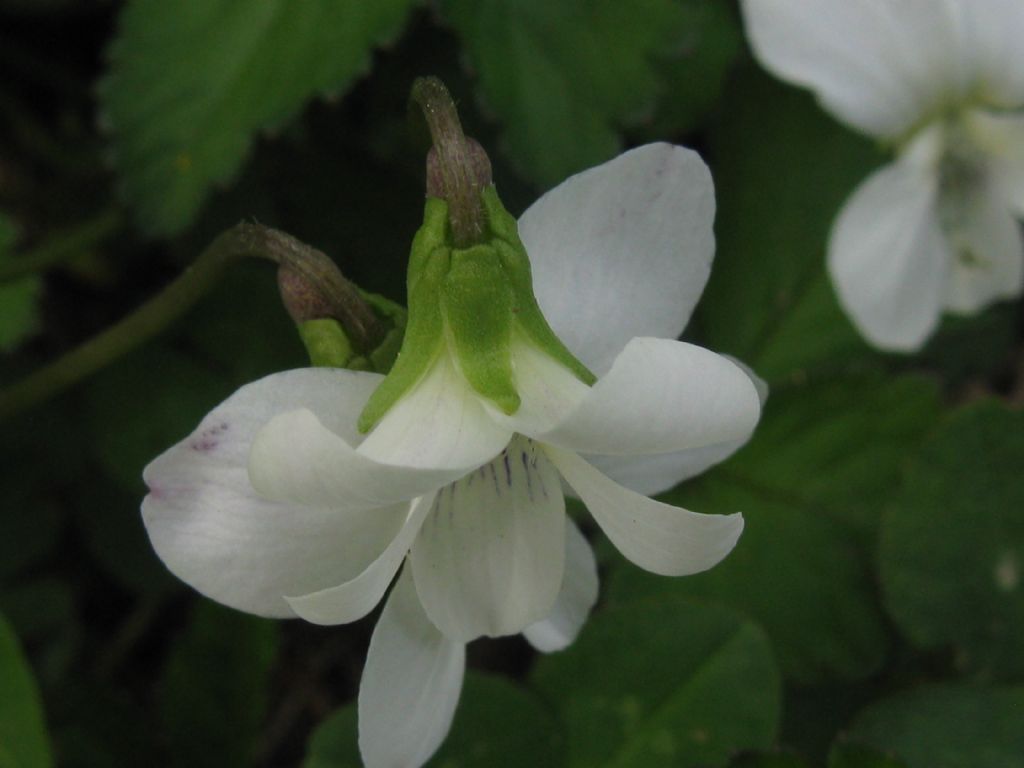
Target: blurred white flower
943, 81
278, 506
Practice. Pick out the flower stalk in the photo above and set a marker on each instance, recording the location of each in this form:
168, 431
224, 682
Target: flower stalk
458, 169
323, 288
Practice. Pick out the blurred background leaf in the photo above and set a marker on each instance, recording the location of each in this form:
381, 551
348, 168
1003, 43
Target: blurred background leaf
19, 316
946, 726
810, 484
856, 756
663, 682
23, 739
561, 88
497, 725
295, 115
952, 545
191, 83
213, 692
782, 170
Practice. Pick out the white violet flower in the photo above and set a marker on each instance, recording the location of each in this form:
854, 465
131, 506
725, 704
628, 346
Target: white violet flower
278, 505
943, 82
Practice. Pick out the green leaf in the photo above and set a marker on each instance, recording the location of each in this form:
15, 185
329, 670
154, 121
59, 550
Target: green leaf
952, 546
839, 444
800, 574
562, 76
782, 169
769, 760
823, 459
39, 606
947, 726
23, 739
192, 82
102, 727
213, 691
19, 315
662, 683
334, 742
497, 725
694, 72
856, 756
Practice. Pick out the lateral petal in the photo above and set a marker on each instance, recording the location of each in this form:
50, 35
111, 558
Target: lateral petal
660, 396
215, 532
351, 600
660, 538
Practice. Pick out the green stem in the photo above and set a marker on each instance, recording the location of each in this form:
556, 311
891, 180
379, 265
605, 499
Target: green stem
62, 246
243, 240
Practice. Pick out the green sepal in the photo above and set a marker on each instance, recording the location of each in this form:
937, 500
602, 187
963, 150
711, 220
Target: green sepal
477, 306
516, 266
326, 343
382, 358
469, 302
424, 332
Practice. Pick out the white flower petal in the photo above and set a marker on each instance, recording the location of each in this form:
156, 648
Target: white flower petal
888, 258
654, 473
440, 423
660, 396
660, 538
878, 66
216, 533
354, 599
295, 458
650, 474
548, 391
988, 254
1001, 137
993, 30
622, 250
489, 559
410, 685
575, 599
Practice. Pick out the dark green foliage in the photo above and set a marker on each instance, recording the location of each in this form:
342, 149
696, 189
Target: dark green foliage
872, 615
952, 546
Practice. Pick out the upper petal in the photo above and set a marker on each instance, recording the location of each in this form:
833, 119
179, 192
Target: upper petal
878, 66
489, 559
622, 250
214, 531
575, 599
992, 31
410, 685
663, 539
660, 396
888, 258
